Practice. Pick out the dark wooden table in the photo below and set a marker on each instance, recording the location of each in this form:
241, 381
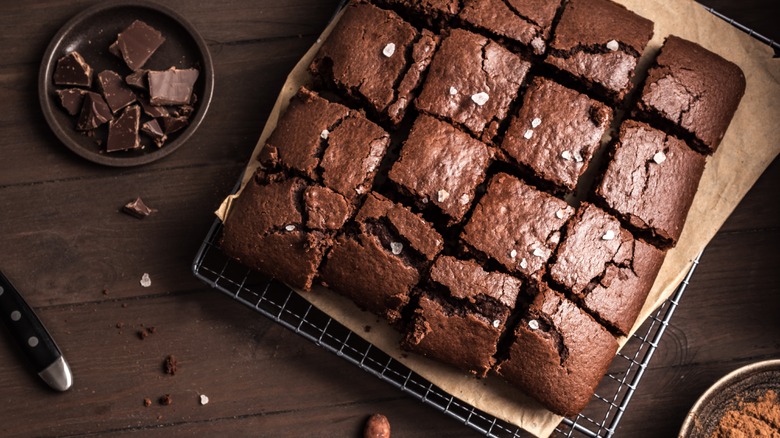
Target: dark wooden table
79, 262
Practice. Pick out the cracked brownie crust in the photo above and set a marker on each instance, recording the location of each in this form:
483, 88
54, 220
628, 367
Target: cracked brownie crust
526, 22
598, 43
693, 91
650, 182
559, 353
471, 82
556, 133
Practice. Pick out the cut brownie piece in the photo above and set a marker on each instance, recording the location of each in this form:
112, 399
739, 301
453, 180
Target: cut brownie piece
650, 182
693, 90
461, 314
442, 164
327, 142
516, 225
266, 228
379, 260
471, 82
374, 56
556, 132
608, 271
598, 43
559, 354
526, 22
432, 13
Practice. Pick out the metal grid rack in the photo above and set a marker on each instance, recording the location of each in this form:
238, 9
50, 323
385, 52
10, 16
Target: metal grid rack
286, 307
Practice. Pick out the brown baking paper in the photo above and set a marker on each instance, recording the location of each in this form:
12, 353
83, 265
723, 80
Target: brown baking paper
750, 145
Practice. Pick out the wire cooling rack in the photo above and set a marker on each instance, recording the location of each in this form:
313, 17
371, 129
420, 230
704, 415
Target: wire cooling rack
283, 305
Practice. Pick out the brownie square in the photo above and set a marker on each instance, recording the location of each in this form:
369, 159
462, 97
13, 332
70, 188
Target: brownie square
471, 82
266, 230
559, 353
327, 142
556, 132
461, 314
526, 22
693, 91
516, 225
441, 164
650, 182
379, 259
432, 13
372, 55
598, 43
613, 279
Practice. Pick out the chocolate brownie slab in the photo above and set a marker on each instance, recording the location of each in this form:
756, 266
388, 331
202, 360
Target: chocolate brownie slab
441, 164
516, 225
374, 56
267, 228
471, 82
526, 22
379, 259
461, 314
598, 43
559, 354
605, 269
693, 91
327, 142
650, 182
556, 132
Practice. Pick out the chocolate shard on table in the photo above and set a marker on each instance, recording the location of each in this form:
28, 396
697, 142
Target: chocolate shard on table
138, 209
171, 87
123, 132
153, 129
72, 69
137, 43
114, 90
71, 99
137, 79
94, 112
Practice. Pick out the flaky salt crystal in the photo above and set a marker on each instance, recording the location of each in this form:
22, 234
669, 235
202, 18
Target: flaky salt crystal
389, 50
496, 323
609, 235
464, 199
528, 134
480, 98
523, 264
442, 195
566, 155
453, 91
536, 122
290, 228
533, 324
396, 247
539, 252
560, 214
659, 157
324, 134
513, 253
613, 45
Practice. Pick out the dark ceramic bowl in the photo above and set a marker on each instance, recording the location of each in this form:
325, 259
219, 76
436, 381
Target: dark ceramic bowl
90, 33
747, 384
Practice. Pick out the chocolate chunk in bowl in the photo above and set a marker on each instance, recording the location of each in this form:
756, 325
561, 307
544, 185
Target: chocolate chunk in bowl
90, 33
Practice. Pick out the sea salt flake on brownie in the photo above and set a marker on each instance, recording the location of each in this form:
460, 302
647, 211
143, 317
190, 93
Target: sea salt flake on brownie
443, 195
613, 45
480, 98
528, 134
566, 155
453, 91
609, 235
533, 324
659, 157
396, 247
536, 122
389, 50
290, 228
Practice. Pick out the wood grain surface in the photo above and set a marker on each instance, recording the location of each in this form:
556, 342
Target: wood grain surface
78, 261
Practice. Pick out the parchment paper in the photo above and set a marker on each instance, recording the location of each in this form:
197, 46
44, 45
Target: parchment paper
750, 145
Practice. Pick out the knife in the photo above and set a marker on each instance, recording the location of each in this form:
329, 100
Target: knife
32, 338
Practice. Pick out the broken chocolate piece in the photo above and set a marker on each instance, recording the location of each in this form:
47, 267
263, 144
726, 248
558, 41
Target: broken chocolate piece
114, 90
172, 86
173, 124
153, 129
123, 132
137, 43
94, 112
73, 70
71, 99
137, 79
137, 209
153, 110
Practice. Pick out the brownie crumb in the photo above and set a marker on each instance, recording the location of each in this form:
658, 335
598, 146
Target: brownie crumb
147, 402
170, 365
377, 426
166, 400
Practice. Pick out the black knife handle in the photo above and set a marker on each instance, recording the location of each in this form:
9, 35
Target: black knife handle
26, 329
